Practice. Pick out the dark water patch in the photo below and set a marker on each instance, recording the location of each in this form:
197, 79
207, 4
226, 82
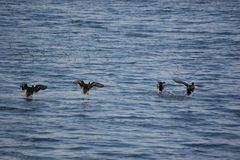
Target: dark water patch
223, 135
134, 117
208, 145
89, 23
139, 35
28, 147
12, 154
79, 115
139, 156
5, 108
235, 112
40, 139
150, 126
80, 148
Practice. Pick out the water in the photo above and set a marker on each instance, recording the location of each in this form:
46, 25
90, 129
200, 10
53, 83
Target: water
128, 46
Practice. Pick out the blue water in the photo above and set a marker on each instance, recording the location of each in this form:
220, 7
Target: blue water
129, 46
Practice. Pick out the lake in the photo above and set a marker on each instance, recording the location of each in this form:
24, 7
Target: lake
128, 46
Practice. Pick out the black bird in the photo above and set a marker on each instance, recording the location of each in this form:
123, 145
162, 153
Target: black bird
87, 86
160, 86
189, 87
31, 90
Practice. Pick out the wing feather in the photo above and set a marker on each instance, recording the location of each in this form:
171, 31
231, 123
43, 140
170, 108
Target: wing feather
39, 87
80, 82
180, 82
99, 85
23, 86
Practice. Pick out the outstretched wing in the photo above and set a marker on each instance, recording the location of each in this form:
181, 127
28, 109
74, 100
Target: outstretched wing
99, 85
80, 82
23, 86
39, 87
180, 82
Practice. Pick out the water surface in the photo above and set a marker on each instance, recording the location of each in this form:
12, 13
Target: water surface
128, 46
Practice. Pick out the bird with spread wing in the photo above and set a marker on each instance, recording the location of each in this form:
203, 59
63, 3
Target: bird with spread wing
87, 86
33, 89
189, 87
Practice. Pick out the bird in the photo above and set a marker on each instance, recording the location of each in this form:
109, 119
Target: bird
189, 87
87, 86
31, 90
160, 86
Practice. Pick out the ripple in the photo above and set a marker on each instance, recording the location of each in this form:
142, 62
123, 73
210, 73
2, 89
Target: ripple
6, 108
40, 139
128, 46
